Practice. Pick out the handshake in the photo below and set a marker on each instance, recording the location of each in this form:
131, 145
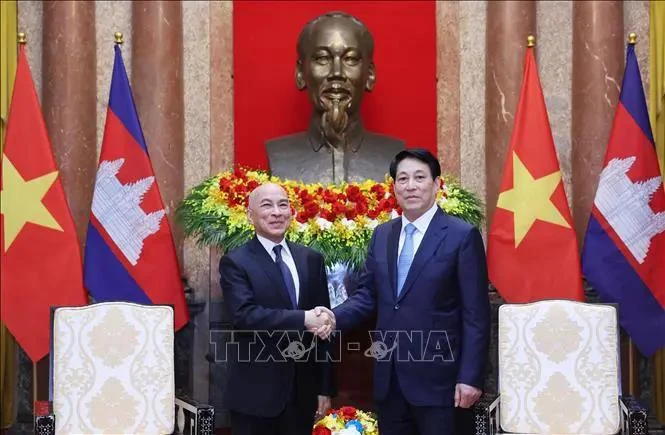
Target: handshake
320, 321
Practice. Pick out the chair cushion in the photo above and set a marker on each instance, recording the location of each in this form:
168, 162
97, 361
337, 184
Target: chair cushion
558, 368
113, 369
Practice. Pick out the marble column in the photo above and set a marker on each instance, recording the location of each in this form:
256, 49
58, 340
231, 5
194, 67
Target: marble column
508, 25
598, 58
448, 87
69, 100
157, 83
221, 159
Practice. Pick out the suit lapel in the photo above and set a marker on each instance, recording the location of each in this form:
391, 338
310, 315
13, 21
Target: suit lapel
268, 265
393, 244
431, 240
300, 258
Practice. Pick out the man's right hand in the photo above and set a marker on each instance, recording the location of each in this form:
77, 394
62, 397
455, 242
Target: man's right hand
320, 321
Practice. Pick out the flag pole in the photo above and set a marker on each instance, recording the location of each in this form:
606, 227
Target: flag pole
22, 40
633, 355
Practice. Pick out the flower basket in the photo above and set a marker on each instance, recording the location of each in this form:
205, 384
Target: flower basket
336, 220
347, 420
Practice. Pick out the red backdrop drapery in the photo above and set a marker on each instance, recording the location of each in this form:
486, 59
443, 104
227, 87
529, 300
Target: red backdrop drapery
267, 103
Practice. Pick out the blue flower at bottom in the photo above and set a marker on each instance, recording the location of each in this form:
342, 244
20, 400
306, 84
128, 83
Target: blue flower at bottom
356, 423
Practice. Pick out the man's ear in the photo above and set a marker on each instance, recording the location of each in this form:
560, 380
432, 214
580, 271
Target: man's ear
249, 217
371, 78
300, 78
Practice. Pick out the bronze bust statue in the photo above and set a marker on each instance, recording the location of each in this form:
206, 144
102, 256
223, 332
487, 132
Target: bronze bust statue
335, 65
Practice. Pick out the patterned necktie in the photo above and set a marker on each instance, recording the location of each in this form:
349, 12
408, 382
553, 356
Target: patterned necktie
405, 257
286, 274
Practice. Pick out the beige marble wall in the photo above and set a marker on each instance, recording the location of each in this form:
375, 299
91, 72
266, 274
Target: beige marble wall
555, 68
472, 21
221, 106
636, 19
30, 14
447, 86
110, 17
196, 25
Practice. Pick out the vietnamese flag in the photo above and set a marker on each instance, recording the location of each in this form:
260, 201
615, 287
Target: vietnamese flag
532, 249
41, 261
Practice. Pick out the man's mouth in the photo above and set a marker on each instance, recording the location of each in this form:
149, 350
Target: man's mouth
336, 94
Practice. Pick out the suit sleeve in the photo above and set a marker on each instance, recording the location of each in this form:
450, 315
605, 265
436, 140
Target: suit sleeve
472, 274
361, 304
324, 348
245, 312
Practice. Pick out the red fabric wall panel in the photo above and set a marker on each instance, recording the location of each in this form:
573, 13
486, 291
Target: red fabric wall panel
267, 103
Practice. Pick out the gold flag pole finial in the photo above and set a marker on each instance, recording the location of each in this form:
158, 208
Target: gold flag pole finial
530, 41
118, 37
22, 38
632, 38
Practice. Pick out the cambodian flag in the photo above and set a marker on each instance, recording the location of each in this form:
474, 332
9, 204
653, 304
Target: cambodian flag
129, 252
624, 249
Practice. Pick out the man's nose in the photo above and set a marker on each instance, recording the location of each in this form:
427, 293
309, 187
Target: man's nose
410, 184
336, 70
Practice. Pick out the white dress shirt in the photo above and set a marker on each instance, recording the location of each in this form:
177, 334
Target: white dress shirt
286, 257
421, 225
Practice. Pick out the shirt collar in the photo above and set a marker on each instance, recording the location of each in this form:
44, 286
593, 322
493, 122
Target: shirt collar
268, 245
423, 221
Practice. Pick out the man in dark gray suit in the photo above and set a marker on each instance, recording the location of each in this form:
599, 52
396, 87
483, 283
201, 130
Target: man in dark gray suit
271, 287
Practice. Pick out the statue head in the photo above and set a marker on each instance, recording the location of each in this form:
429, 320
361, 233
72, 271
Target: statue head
335, 65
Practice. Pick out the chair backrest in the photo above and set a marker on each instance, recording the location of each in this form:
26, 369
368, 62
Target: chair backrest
558, 368
113, 369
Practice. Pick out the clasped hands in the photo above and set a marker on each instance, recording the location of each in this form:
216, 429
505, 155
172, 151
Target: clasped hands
320, 321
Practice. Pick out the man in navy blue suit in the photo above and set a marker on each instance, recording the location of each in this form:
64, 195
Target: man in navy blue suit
279, 376
426, 279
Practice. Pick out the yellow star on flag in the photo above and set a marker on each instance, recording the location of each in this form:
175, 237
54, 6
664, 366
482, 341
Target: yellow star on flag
529, 199
21, 201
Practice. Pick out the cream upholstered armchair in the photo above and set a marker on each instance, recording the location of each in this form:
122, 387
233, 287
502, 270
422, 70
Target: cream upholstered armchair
559, 373
112, 371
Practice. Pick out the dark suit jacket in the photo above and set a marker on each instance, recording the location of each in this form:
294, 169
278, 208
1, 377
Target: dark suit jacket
260, 377
443, 310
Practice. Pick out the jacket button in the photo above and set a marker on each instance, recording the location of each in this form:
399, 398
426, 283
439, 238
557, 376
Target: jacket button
396, 307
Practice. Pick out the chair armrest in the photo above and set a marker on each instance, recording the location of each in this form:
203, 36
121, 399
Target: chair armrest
45, 424
193, 417
484, 414
634, 416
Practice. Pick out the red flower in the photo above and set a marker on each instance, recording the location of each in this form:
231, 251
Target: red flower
353, 193
321, 430
361, 208
329, 196
302, 218
312, 208
224, 184
252, 184
347, 412
373, 213
338, 208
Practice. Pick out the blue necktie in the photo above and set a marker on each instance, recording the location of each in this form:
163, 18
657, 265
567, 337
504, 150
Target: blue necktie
286, 274
405, 257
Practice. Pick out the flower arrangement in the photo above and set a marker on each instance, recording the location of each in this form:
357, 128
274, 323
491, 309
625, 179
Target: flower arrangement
336, 220
347, 420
